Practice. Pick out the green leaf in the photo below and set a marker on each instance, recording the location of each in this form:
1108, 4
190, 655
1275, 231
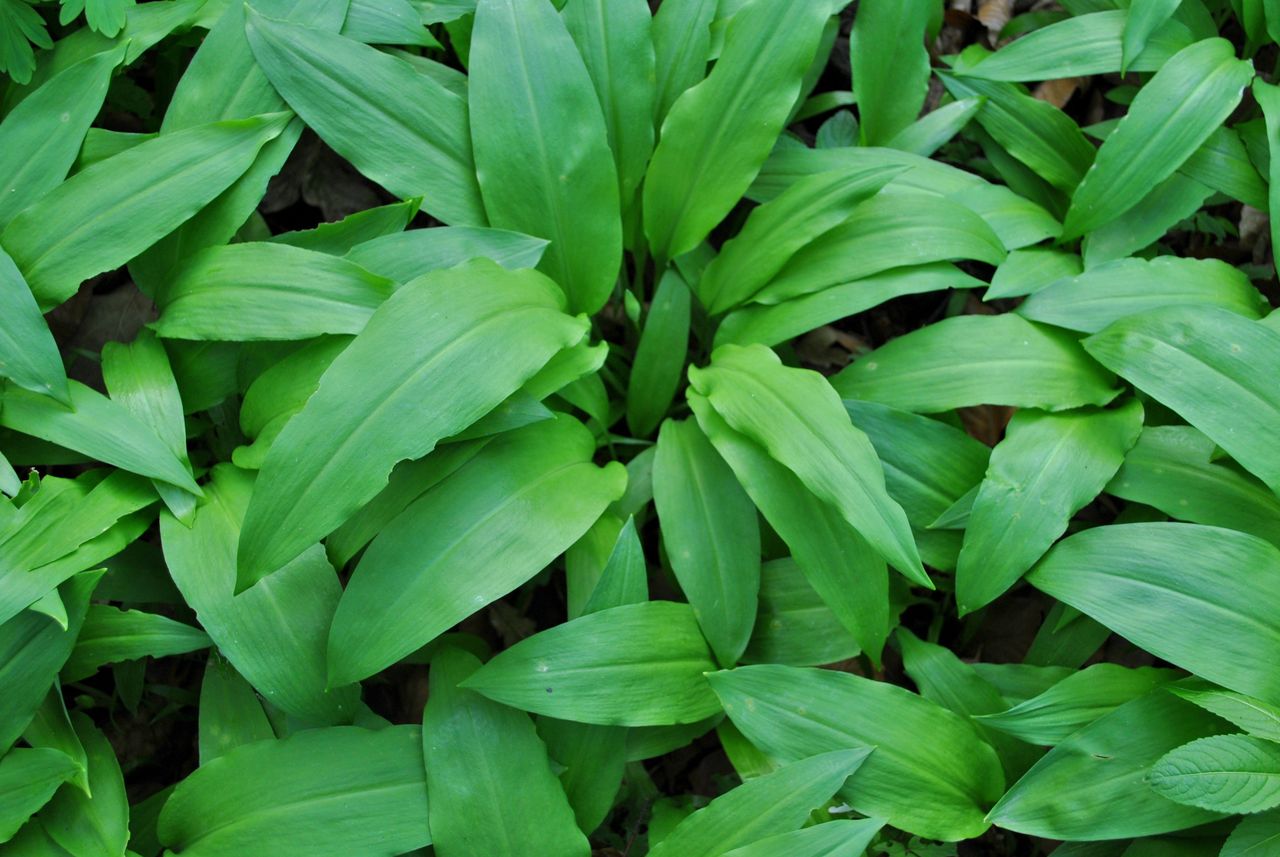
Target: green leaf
28, 354
340, 237
1254, 836
275, 633
1141, 580
430, 339
794, 626
485, 530
1223, 164
105, 215
711, 535
681, 44
777, 230
1075, 790
1171, 469
660, 355
268, 291
475, 750
542, 149
387, 22
1222, 773
394, 124
936, 128
887, 231
1268, 98
51, 728
279, 796
839, 838
938, 788
635, 665
28, 778
1047, 468
1168, 120
98, 427
1072, 704
96, 826
973, 360
1081, 46
774, 803
798, 419
1252, 715
1094, 299
110, 635
890, 66
1210, 366
613, 37
718, 133
230, 713
1026, 272
1145, 17
407, 255
41, 137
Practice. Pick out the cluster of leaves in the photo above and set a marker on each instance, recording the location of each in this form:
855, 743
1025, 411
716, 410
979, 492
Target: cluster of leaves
558, 448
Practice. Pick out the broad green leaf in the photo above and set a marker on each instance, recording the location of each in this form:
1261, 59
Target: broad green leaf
51, 728
1209, 365
1141, 580
613, 37
1255, 836
798, 419
711, 535
1144, 18
1076, 790
542, 148
41, 137
848, 575
105, 215
718, 134
890, 66
771, 324
1092, 300
936, 128
98, 427
1171, 201
28, 778
397, 126
268, 291
1026, 272
407, 255
1073, 703
841, 838
939, 788
110, 635
274, 634
9, 482
28, 355
485, 530
1171, 468
794, 626
1252, 715
887, 231
340, 237
635, 665
660, 355
1222, 773
1079, 46
475, 751
774, 803
1168, 120
1047, 468
429, 341
387, 22
624, 577
978, 359
281, 797
230, 713
1017, 221
1223, 164
681, 44
777, 230
96, 826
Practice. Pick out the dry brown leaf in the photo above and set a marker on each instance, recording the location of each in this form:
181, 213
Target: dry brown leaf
994, 14
1058, 92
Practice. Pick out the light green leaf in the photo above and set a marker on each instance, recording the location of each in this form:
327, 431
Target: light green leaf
230, 713
105, 215
774, 803
1026, 272
794, 626
429, 341
938, 788
407, 255
1168, 120
1222, 773
1141, 580
1223, 164
485, 530
841, 838
110, 635
28, 778
936, 128
711, 535
890, 66
96, 826
1255, 836
340, 237
1145, 17
635, 665
542, 149
394, 124
681, 44
475, 750
718, 133
660, 354
51, 728
1252, 715
387, 22
28, 354
1047, 468
279, 796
